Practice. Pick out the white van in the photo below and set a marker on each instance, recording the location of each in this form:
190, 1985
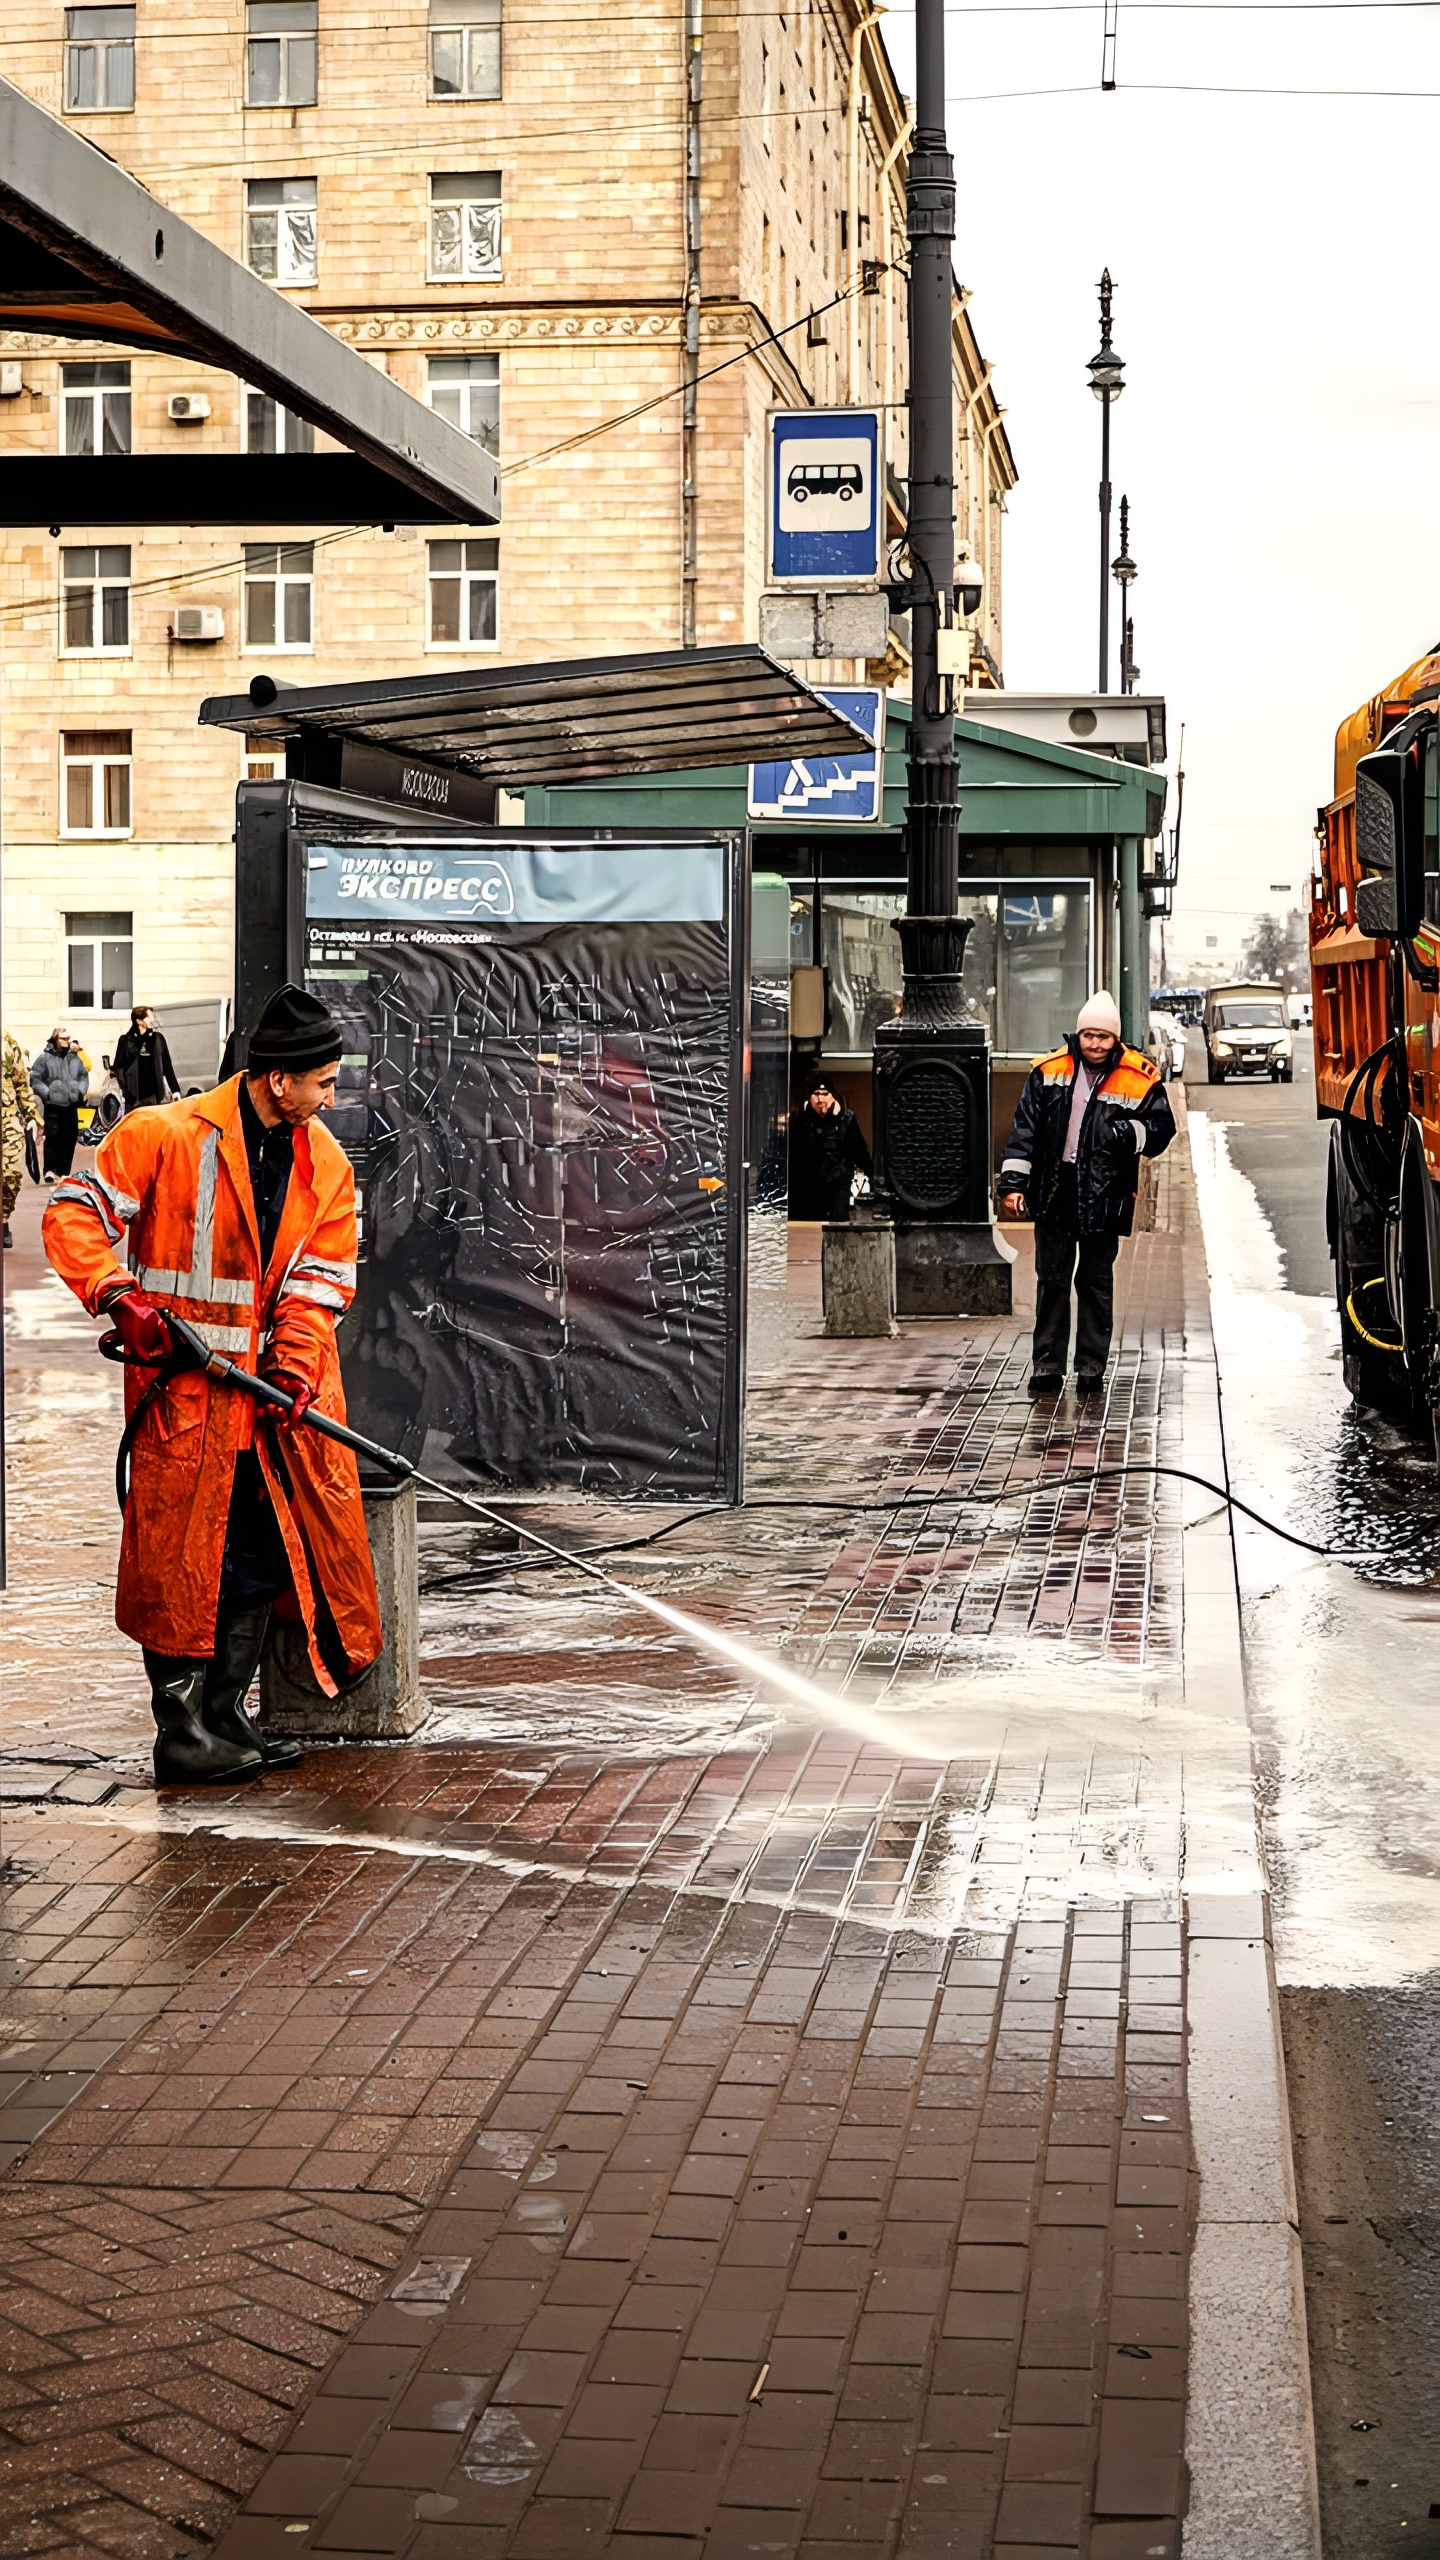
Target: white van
1246, 1034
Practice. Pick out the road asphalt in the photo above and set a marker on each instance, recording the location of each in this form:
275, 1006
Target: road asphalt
1340, 1670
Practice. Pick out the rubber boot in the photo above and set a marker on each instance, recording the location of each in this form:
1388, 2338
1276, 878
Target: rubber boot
187, 1753
239, 1638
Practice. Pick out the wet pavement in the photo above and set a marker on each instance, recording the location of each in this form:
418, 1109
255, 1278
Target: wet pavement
659, 2109
1340, 1668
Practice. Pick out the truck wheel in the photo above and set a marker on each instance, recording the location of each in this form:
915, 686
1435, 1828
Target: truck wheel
1373, 1375
1287, 1075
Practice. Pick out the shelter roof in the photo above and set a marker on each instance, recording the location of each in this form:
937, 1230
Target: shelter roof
566, 720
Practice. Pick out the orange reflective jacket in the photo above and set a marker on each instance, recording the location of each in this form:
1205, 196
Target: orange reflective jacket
178, 1179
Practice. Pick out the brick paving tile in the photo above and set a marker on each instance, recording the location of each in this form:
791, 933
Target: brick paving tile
796, 2211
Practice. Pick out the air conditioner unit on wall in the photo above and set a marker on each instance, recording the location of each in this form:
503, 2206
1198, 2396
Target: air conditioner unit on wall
188, 407
198, 622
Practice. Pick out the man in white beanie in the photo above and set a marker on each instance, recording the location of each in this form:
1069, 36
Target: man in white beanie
1087, 1115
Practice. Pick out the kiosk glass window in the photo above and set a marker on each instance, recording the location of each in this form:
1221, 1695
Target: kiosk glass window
1027, 961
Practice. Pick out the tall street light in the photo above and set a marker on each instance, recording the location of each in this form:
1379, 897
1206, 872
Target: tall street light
932, 1061
1107, 381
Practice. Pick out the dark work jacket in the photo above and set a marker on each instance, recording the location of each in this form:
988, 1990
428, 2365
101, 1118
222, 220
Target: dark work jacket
127, 1067
826, 1152
1128, 1116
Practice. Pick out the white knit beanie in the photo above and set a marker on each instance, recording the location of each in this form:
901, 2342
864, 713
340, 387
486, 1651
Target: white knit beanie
1101, 1013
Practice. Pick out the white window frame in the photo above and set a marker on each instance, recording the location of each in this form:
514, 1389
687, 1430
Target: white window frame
464, 234
95, 398
284, 580
297, 45
114, 62
100, 585
95, 943
98, 764
471, 32
278, 245
451, 394
292, 434
472, 578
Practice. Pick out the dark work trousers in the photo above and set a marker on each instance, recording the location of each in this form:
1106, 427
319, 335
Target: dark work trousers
62, 1135
1060, 1257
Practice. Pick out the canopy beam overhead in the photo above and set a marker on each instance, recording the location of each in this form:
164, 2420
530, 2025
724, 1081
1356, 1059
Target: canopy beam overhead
87, 252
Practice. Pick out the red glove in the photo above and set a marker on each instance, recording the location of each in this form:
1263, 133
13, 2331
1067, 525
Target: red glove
143, 1331
302, 1398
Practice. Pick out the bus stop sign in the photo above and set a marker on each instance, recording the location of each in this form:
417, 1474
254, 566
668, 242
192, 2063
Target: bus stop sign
827, 498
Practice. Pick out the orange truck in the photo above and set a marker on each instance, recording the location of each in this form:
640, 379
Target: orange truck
1375, 983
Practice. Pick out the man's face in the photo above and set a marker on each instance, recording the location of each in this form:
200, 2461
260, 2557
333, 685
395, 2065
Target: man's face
298, 1098
822, 1099
145, 1022
1095, 1047
62, 1039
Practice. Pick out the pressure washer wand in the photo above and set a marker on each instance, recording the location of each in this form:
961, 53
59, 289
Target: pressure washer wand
228, 1373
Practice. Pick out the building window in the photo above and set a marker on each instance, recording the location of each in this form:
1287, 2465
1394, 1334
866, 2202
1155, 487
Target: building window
97, 597
271, 429
99, 953
280, 223
264, 760
279, 590
99, 61
95, 782
281, 52
466, 390
465, 225
95, 406
464, 48
464, 585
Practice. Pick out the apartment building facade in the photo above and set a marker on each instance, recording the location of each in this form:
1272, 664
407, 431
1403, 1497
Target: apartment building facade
604, 244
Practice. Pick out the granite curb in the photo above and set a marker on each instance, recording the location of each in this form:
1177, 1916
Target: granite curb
1249, 2431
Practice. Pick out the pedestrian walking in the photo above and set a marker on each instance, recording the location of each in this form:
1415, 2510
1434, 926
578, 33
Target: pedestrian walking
827, 1150
143, 1068
1086, 1116
240, 1208
60, 1079
19, 1114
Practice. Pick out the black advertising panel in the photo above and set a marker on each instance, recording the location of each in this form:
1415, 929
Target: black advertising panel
543, 1095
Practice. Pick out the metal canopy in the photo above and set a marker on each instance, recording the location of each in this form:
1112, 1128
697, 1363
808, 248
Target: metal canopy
86, 252
568, 720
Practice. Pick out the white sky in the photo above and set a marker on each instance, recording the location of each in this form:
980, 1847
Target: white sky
1274, 309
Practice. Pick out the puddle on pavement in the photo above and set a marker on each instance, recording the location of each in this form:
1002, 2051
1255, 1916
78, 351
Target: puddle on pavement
1339, 1659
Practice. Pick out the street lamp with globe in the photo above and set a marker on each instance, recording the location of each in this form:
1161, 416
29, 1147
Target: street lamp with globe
1107, 380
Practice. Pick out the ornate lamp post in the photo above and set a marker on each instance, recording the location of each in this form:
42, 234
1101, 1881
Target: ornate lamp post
1125, 573
1107, 380
932, 1062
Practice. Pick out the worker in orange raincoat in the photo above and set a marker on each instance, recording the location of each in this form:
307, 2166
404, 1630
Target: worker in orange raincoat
240, 1209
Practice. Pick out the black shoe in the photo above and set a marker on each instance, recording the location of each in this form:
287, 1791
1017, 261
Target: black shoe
187, 1753
1046, 1382
1090, 1382
9, 1239
239, 1637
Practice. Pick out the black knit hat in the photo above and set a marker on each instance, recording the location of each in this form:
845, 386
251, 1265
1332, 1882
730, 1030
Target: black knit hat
295, 1031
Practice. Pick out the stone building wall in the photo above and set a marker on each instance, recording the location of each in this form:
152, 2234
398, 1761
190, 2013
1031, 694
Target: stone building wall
585, 323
